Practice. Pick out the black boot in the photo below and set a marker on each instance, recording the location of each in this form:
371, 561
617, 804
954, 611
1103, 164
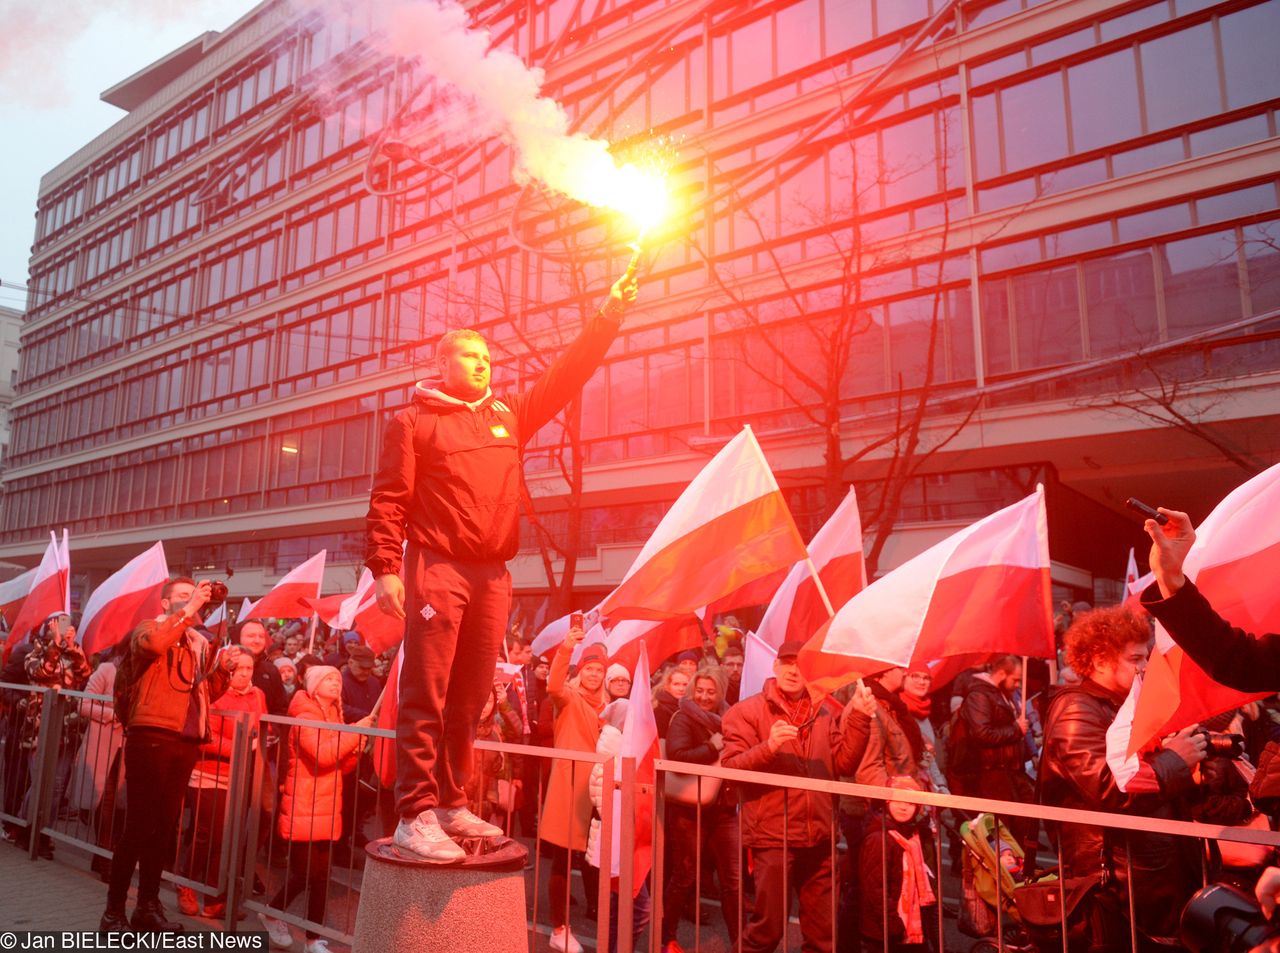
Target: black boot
113, 921
149, 915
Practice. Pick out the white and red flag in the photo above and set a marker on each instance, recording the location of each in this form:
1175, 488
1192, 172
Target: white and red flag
798, 610
127, 597
757, 665
388, 712
639, 741
13, 592
730, 527
980, 592
660, 640
1134, 584
1234, 562
288, 597
49, 592
359, 611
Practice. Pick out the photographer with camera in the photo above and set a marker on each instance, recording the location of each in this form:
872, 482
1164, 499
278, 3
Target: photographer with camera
162, 692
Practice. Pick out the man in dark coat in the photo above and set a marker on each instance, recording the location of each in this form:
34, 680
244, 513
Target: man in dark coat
449, 484
991, 750
790, 728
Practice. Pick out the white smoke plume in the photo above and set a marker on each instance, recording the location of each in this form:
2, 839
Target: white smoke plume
502, 98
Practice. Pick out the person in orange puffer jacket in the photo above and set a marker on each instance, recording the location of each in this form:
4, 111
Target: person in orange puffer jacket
310, 817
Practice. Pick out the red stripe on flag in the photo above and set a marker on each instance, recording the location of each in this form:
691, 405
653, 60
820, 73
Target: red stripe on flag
989, 609
842, 579
719, 557
288, 600
119, 617
661, 643
47, 597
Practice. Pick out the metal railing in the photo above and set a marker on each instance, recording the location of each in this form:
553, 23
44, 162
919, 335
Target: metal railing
258, 846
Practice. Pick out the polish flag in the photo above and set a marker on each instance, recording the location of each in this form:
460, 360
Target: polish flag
552, 634
1134, 584
757, 665
730, 527
1234, 562
288, 598
982, 591
388, 712
798, 610
379, 629
49, 592
246, 608
639, 741
12, 593
658, 640
128, 596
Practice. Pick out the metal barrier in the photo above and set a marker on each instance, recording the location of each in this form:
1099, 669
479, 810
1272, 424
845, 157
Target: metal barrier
261, 835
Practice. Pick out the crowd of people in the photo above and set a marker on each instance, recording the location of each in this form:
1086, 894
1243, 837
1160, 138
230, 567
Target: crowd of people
757, 849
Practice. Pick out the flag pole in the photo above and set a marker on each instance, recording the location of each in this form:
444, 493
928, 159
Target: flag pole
311, 634
1024, 687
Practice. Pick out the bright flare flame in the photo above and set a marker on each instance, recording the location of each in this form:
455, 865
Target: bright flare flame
637, 191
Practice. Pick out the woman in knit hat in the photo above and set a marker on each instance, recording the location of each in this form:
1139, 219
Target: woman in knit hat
311, 799
617, 681
566, 813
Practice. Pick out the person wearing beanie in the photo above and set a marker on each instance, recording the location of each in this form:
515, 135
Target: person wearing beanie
288, 670
566, 812
687, 661
617, 681
916, 687
310, 817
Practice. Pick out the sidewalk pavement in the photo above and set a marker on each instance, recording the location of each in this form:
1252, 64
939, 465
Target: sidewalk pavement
61, 894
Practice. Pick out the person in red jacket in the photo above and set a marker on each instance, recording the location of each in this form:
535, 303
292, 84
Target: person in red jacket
449, 482
791, 728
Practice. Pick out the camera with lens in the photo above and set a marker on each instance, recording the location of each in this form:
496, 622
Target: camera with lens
217, 594
1224, 919
1218, 744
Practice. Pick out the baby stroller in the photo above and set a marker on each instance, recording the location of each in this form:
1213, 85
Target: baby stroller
1031, 902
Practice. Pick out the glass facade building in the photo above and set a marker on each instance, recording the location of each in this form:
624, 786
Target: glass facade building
1055, 223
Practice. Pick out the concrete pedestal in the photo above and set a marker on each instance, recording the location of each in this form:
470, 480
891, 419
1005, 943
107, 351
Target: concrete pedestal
474, 906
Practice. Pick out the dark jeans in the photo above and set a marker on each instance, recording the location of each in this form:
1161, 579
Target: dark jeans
641, 909
446, 675
807, 872
307, 869
849, 931
157, 765
719, 836
558, 883
208, 822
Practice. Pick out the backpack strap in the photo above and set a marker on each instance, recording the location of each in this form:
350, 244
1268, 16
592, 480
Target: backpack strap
424, 429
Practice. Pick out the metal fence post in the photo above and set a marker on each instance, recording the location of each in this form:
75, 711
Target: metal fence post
608, 787
248, 866
626, 865
237, 808
48, 743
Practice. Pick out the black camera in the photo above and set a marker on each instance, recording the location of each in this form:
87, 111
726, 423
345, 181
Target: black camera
1223, 919
217, 594
1221, 745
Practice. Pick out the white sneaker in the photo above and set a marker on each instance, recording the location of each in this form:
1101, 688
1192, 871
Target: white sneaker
277, 931
460, 822
423, 836
562, 941
318, 945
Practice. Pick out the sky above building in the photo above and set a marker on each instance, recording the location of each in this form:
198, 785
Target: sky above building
55, 61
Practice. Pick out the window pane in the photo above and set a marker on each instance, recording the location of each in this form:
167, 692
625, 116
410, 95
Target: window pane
1104, 101
994, 301
1120, 296
1249, 54
1179, 77
1201, 285
1035, 122
1262, 256
1046, 317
